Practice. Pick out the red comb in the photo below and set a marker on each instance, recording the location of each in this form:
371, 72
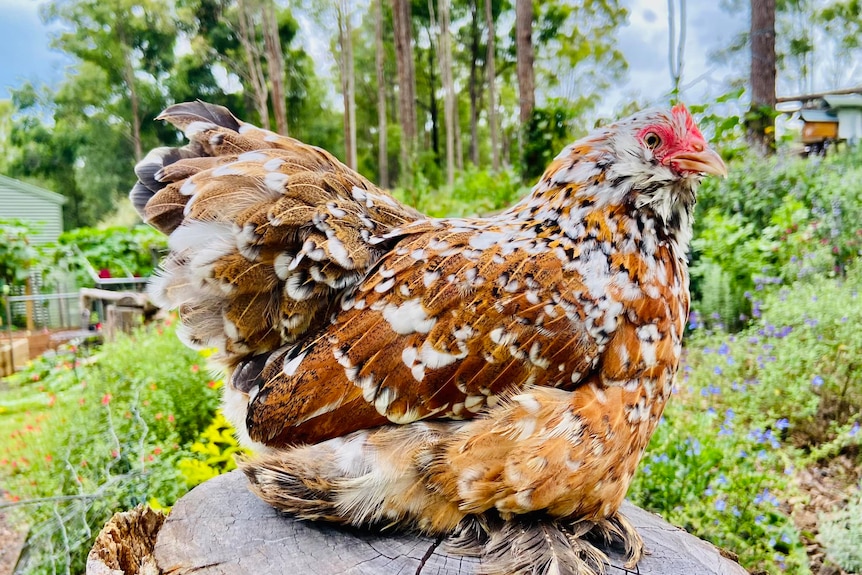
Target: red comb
681, 111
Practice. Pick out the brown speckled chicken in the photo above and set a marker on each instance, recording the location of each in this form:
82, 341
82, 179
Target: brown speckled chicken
498, 377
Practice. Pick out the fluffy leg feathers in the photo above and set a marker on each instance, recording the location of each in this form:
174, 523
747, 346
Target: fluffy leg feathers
380, 478
536, 545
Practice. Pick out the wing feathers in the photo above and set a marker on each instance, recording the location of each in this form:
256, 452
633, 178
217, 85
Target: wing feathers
266, 232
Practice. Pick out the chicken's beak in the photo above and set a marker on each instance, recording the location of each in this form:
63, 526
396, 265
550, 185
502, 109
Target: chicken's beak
704, 161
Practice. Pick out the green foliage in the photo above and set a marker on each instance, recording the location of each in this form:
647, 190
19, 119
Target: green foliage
16, 254
546, 134
841, 533
104, 431
476, 192
720, 484
723, 128
751, 408
771, 222
577, 47
122, 251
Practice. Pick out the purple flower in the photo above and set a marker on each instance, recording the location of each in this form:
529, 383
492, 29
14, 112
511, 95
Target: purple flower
766, 497
724, 349
782, 423
854, 430
720, 504
784, 332
817, 381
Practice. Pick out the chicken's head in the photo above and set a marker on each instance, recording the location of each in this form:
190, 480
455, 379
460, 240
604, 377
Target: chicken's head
652, 161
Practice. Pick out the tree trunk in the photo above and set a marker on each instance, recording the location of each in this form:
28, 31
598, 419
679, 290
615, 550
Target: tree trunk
129, 78
473, 85
490, 66
524, 46
345, 43
448, 89
275, 65
401, 20
432, 103
255, 76
382, 155
761, 132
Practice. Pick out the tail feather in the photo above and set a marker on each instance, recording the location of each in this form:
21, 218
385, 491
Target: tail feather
367, 478
182, 115
266, 233
541, 546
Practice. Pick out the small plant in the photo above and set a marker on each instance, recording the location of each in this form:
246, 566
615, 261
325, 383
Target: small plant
841, 533
771, 223
214, 453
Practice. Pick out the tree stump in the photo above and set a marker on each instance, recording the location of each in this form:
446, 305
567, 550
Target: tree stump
220, 528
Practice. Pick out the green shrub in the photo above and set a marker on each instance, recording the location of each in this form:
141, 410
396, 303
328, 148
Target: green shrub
841, 533
93, 434
476, 192
16, 254
723, 482
770, 223
751, 408
121, 251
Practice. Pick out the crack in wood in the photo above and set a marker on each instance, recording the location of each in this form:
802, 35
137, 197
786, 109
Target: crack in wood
431, 549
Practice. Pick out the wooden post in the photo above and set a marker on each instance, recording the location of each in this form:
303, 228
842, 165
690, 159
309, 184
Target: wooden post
220, 527
28, 291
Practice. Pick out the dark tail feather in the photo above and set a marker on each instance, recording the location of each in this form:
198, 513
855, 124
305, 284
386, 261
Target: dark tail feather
149, 171
181, 115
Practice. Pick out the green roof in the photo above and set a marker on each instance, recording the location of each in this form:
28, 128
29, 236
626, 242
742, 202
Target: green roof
31, 189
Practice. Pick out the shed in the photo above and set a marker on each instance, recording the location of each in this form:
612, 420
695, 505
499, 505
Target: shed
37, 206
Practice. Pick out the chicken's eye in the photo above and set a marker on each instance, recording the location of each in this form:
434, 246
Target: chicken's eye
652, 140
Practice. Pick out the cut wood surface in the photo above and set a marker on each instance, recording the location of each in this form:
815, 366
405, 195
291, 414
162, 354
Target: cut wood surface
220, 527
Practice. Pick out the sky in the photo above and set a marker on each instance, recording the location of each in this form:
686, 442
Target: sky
25, 52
